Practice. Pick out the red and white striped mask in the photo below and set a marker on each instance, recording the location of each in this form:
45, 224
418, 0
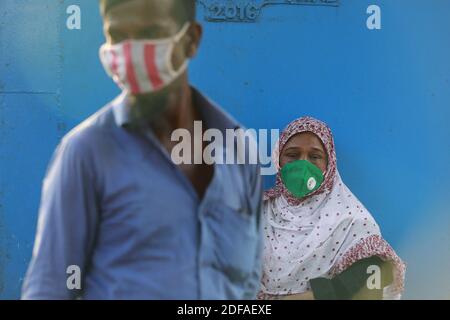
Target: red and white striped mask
142, 66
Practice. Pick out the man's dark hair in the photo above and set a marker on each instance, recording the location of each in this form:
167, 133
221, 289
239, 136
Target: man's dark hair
187, 12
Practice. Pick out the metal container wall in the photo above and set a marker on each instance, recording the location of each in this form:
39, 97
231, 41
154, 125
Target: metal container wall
385, 93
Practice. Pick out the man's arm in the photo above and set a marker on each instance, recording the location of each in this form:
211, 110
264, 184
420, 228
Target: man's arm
67, 221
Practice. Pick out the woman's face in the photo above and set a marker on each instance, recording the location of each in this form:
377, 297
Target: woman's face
305, 146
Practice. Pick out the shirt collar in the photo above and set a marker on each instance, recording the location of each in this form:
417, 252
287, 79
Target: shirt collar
212, 114
121, 110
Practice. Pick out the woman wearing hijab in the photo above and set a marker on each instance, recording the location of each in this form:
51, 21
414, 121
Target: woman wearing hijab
320, 241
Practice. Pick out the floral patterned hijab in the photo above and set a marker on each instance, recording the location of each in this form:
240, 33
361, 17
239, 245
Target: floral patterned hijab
305, 124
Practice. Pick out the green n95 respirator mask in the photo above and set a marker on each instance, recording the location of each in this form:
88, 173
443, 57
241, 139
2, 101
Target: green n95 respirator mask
301, 177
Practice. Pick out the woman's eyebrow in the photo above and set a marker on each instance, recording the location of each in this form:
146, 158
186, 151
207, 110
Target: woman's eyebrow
318, 149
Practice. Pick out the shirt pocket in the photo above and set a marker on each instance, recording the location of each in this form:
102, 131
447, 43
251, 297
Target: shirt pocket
235, 240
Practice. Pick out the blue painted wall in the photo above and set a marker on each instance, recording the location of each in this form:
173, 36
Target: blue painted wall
385, 93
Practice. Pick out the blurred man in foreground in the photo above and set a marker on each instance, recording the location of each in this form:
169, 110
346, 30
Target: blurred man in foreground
116, 210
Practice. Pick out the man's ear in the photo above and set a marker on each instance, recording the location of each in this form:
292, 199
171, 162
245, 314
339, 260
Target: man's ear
195, 34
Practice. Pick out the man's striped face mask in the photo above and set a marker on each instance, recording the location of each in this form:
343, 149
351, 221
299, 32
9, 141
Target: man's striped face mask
143, 66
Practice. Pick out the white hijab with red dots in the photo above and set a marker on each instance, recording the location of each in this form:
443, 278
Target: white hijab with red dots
320, 235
